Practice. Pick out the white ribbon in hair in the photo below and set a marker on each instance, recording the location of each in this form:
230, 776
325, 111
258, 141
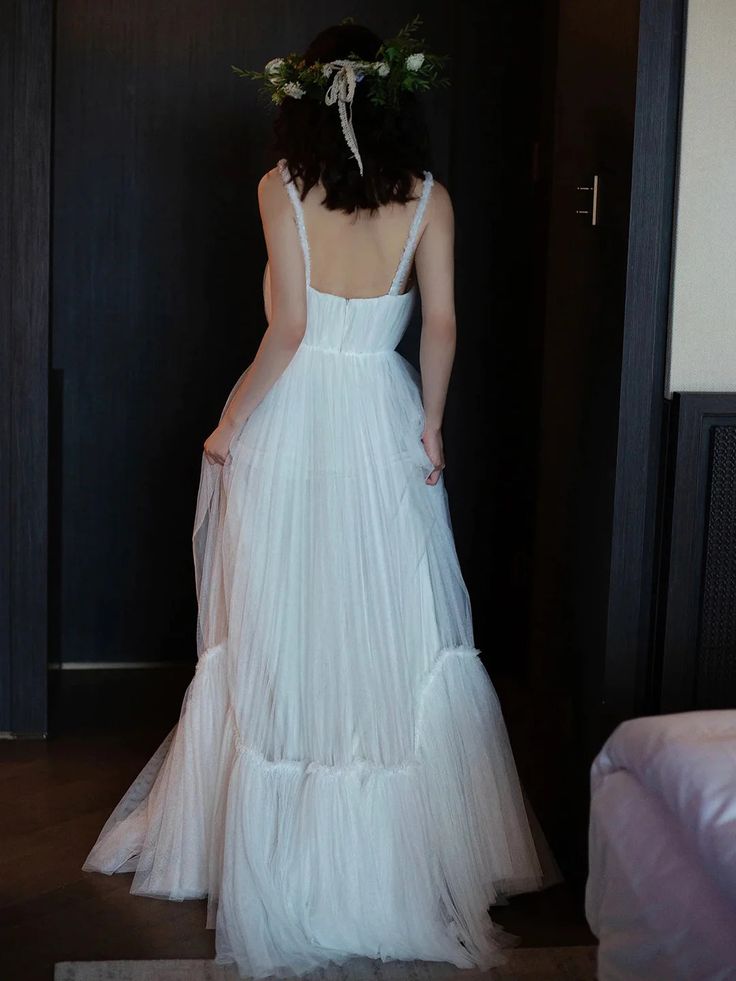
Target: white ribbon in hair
342, 91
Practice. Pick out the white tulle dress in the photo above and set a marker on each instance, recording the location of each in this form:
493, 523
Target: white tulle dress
340, 782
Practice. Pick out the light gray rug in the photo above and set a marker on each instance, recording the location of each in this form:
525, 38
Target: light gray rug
525, 964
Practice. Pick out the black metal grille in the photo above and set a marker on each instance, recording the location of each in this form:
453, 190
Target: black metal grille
716, 679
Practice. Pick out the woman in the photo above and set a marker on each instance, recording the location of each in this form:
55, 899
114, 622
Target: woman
340, 782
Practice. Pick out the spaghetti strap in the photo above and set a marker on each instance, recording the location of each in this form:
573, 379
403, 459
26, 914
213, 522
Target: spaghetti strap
298, 214
408, 253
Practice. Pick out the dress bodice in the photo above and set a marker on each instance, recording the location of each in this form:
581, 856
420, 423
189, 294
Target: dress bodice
359, 325
355, 325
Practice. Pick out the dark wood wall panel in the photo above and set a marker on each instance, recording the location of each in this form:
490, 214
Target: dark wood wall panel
158, 262
499, 178
25, 134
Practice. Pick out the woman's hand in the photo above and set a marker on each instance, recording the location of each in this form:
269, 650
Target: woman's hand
433, 447
217, 445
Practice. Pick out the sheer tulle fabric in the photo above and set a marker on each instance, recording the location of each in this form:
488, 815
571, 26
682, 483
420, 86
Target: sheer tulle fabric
340, 782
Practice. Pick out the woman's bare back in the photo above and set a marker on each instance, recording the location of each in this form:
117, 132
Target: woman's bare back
356, 255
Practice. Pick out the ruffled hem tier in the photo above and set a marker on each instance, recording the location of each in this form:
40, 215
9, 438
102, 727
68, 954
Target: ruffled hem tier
306, 864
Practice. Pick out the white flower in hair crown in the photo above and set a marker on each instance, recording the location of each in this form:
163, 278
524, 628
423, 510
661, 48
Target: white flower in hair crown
402, 64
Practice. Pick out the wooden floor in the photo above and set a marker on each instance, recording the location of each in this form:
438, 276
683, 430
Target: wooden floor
55, 796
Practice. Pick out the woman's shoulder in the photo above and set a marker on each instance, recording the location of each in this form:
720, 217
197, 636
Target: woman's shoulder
271, 178
438, 188
273, 201
271, 196
439, 203
273, 183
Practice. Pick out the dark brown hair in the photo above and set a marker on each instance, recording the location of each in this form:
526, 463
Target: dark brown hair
394, 144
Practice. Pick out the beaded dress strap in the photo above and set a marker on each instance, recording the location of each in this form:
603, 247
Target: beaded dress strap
408, 254
298, 214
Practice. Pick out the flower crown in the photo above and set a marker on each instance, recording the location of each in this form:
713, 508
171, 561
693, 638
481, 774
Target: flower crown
402, 65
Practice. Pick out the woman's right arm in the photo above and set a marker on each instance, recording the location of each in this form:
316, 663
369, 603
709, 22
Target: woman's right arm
435, 266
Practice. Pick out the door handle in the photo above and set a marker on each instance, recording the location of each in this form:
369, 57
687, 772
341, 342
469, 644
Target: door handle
593, 210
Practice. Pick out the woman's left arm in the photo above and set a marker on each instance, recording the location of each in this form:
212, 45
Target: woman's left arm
288, 313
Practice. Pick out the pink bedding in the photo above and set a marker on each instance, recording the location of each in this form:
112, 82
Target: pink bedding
661, 891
